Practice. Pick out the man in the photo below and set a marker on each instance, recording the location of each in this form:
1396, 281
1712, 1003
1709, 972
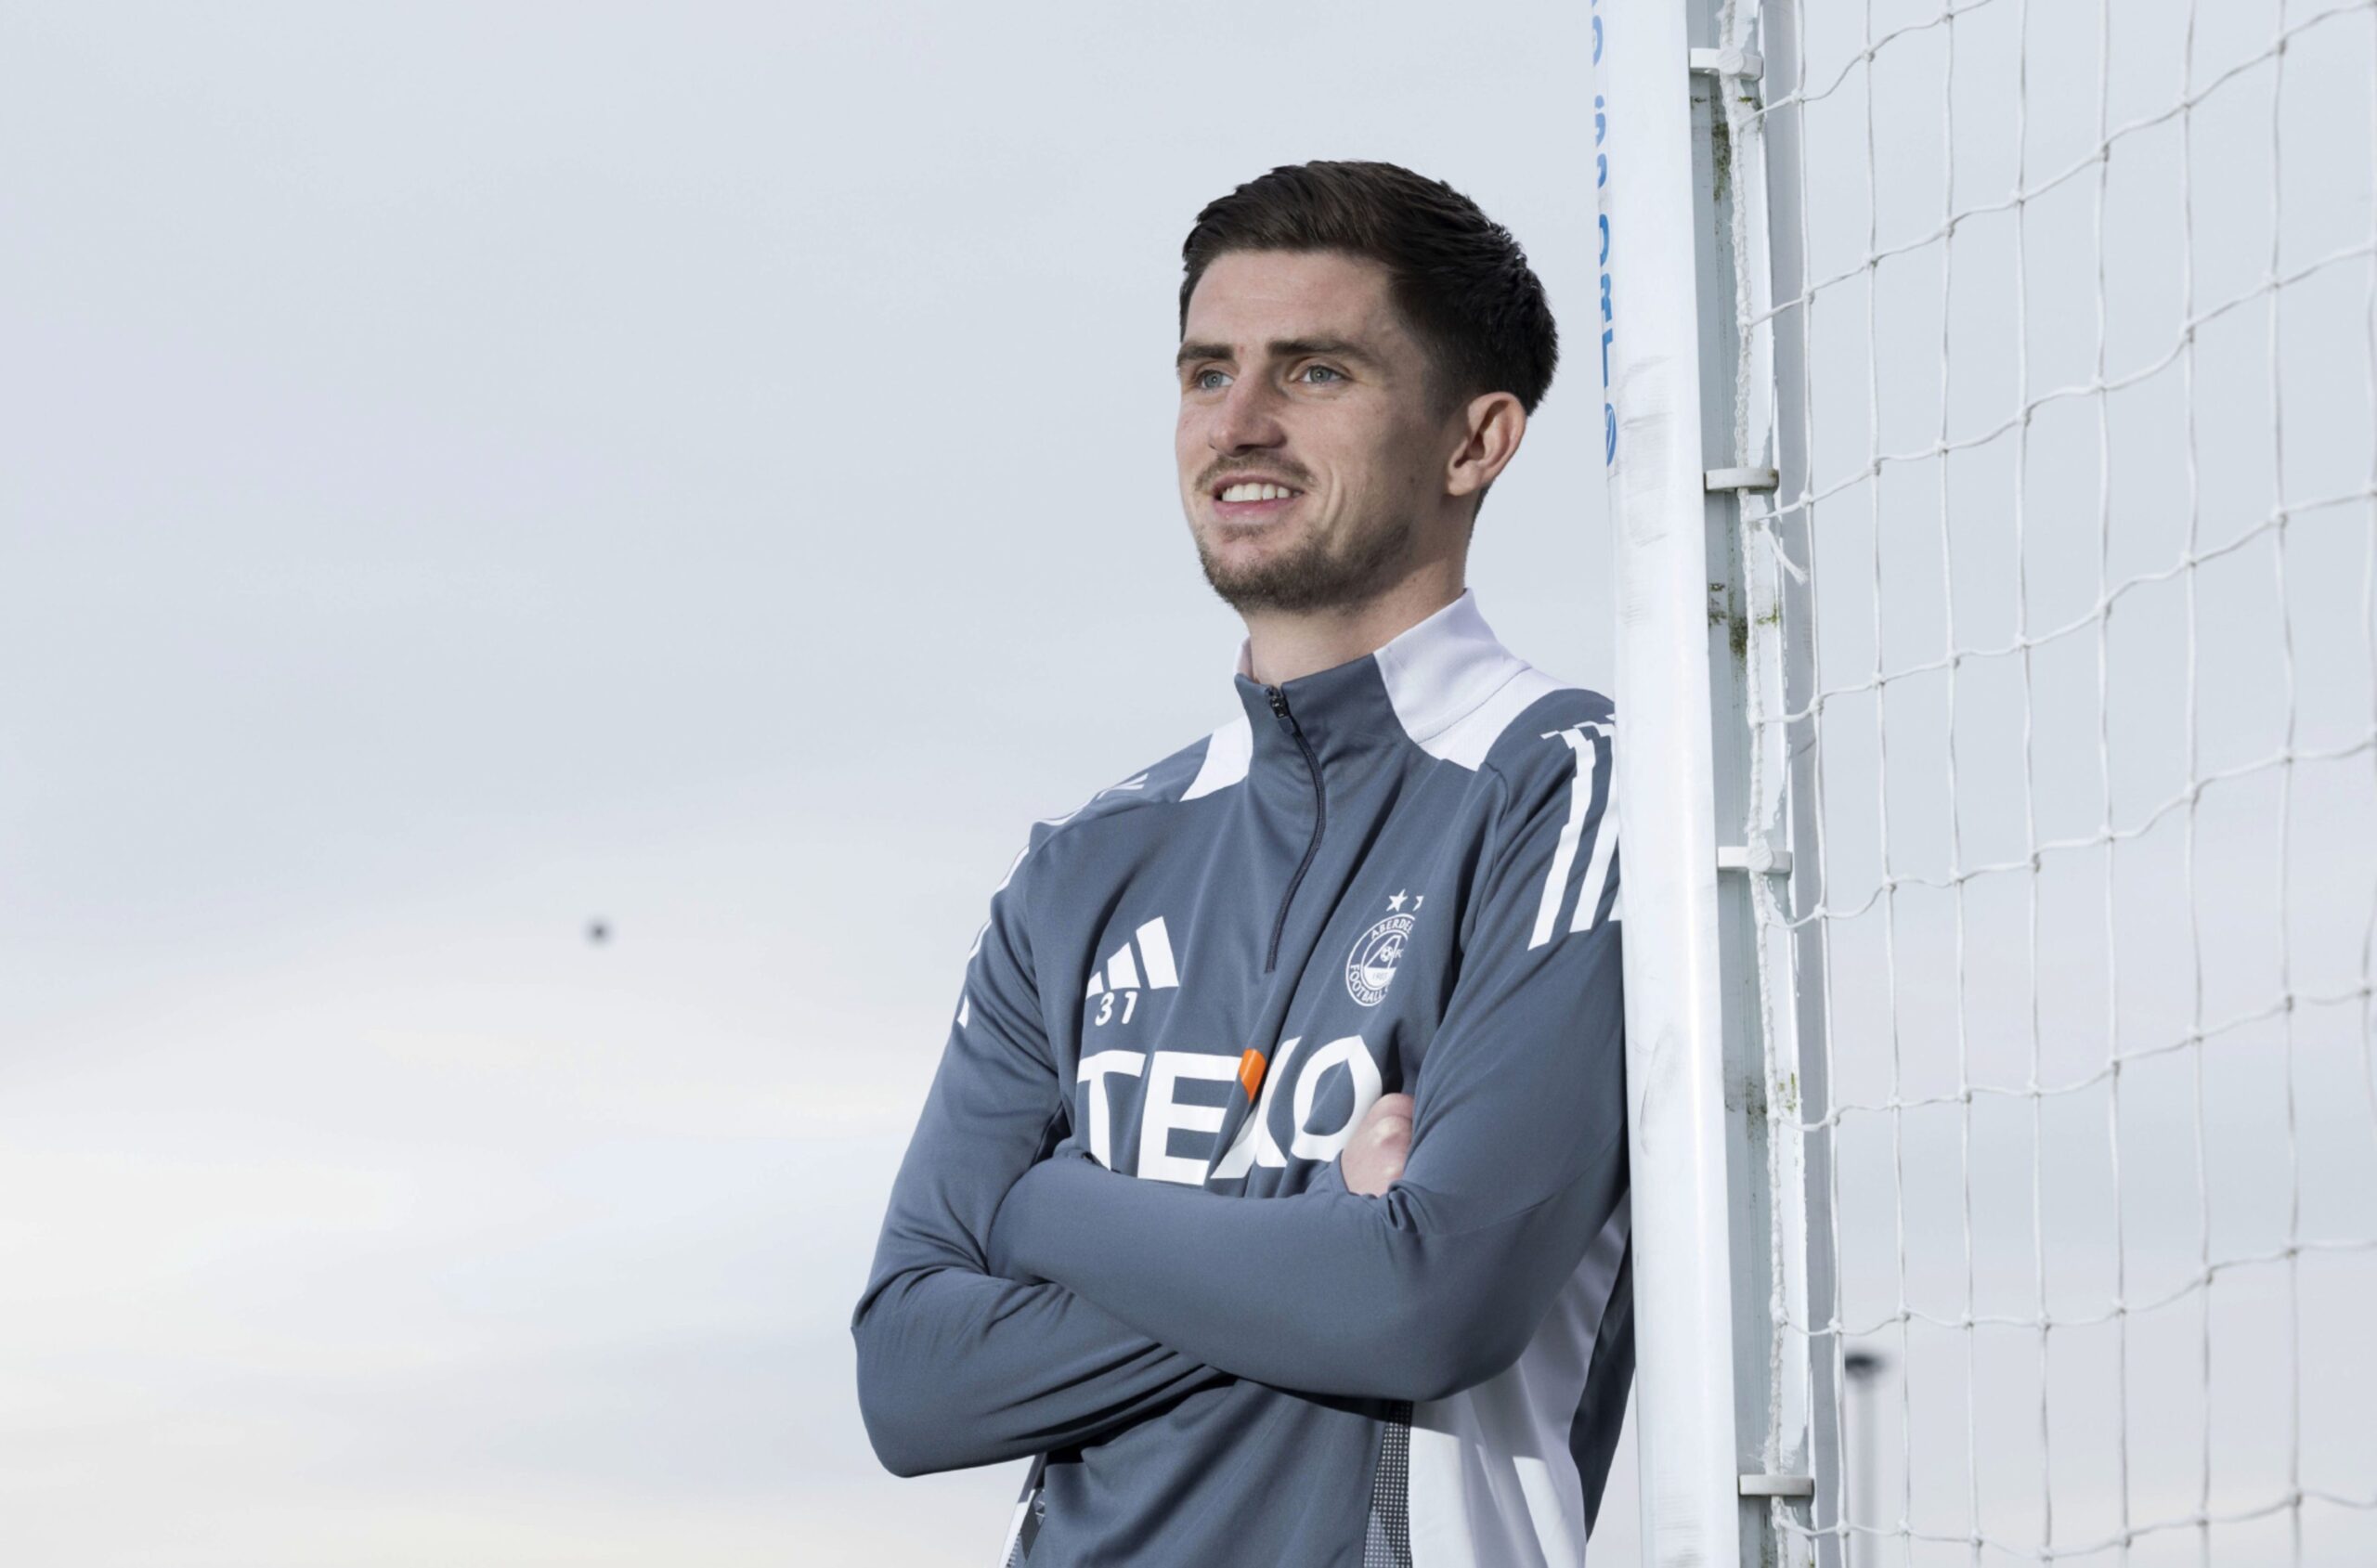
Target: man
1158, 1227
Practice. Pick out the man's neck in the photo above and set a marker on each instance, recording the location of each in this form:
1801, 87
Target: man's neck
1284, 644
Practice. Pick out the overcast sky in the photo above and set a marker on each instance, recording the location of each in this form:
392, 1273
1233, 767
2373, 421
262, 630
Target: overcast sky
476, 471
473, 469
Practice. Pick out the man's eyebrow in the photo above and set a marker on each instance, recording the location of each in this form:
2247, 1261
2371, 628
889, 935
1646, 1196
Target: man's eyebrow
1280, 348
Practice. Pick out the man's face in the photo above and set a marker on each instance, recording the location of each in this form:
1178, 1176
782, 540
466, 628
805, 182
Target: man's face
1295, 367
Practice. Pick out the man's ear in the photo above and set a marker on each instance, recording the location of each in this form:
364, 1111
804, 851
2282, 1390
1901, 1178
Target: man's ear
1495, 424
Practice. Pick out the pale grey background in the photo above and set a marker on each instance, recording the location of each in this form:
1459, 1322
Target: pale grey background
473, 469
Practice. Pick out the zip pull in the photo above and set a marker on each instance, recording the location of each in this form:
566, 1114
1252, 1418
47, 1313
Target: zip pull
1279, 704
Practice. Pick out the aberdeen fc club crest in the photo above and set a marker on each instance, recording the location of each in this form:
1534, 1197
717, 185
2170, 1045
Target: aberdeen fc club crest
1370, 966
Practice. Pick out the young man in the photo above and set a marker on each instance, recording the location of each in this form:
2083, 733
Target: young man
1158, 1227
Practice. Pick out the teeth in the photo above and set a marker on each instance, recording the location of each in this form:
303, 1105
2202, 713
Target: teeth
1256, 493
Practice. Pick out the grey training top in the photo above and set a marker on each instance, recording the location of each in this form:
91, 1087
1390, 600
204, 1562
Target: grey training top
1400, 874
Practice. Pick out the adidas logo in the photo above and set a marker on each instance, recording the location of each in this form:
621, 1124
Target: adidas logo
1144, 963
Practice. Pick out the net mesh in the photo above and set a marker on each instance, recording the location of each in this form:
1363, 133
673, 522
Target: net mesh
2060, 322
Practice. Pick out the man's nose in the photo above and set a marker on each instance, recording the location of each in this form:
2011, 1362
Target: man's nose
1247, 416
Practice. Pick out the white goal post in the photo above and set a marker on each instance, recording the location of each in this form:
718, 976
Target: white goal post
1990, 424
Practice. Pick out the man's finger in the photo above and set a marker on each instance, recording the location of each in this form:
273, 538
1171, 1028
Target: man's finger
1373, 1157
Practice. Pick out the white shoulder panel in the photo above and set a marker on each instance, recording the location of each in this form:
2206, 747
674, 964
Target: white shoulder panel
1467, 739
1455, 687
1227, 751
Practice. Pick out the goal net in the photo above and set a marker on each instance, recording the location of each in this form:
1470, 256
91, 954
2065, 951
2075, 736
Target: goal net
1993, 416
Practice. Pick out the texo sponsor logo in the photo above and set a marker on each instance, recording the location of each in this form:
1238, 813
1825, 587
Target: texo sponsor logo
1162, 1112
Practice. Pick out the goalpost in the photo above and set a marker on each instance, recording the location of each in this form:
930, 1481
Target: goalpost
1992, 430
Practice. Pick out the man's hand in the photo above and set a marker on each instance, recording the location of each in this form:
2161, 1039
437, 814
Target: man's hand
1374, 1155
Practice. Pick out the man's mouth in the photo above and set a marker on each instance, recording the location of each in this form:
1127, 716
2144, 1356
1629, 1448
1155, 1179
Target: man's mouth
1254, 499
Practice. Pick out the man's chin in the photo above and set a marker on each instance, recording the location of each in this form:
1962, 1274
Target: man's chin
1299, 575
1292, 583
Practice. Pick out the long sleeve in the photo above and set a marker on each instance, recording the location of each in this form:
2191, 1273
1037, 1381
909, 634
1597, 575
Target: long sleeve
1517, 1158
957, 1366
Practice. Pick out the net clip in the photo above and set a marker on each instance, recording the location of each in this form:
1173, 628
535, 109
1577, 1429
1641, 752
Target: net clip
1741, 64
1778, 1485
1717, 479
1753, 857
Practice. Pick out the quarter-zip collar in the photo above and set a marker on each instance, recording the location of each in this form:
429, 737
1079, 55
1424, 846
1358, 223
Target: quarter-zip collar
1408, 689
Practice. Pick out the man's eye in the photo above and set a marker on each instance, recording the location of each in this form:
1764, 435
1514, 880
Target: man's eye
1326, 370
1198, 381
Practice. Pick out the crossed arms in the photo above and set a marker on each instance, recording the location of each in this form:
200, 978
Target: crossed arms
1025, 1298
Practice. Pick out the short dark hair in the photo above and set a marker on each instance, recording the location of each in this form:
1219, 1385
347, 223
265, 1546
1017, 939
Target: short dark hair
1460, 279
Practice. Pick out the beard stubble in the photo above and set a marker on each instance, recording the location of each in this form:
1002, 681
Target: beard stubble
1311, 577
